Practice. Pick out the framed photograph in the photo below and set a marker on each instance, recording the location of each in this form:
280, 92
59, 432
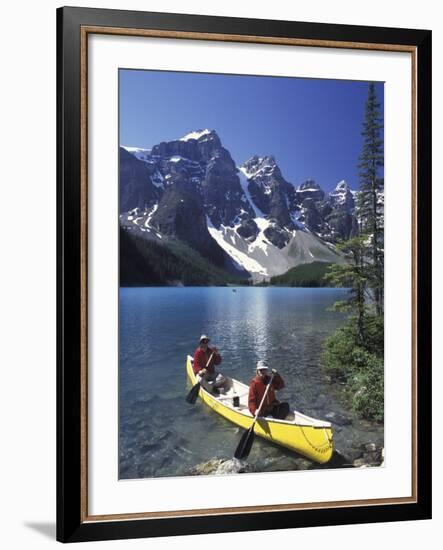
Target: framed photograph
244, 274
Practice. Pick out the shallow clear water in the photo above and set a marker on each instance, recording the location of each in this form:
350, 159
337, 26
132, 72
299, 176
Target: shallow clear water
161, 434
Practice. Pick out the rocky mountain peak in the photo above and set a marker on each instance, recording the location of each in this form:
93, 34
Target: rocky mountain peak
310, 189
309, 185
197, 146
342, 197
201, 135
259, 166
341, 186
207, 142
273, 195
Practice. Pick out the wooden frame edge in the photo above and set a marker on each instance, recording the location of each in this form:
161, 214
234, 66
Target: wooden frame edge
199, 512
282, 41
414, 272
84, 274
85, 30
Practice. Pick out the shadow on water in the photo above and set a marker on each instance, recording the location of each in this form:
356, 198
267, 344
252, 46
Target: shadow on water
162, 435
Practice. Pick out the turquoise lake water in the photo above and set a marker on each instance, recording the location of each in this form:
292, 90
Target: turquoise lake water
162, 435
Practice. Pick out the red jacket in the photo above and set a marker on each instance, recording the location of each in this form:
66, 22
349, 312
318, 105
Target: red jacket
201, 358
257, 388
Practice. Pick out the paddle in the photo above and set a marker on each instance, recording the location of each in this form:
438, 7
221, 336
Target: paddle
247, 439
193, 394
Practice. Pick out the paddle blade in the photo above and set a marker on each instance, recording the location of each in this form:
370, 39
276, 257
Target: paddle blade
193, 394
245, 444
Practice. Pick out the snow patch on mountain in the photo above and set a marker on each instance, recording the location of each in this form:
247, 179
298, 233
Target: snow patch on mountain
139, 220
157, 179
149, 215
295, 217
242, 174
342, 196
252, 167
195, 135
242, 258
138, 152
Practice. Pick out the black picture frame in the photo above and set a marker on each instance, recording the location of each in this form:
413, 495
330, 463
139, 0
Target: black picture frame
72, 524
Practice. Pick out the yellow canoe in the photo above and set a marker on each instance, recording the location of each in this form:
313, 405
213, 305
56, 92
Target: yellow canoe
307, 436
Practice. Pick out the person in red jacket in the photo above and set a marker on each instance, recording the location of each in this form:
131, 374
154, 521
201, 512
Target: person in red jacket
205, 359
257, 388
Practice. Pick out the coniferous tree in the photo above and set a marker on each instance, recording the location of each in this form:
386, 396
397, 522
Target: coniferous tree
353, 274
370, 197
355, 351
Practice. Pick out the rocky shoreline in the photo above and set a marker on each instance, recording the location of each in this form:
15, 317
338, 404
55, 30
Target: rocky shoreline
358, 444
367, 456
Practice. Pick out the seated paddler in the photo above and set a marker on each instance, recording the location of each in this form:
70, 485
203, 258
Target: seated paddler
205, 360
257, 387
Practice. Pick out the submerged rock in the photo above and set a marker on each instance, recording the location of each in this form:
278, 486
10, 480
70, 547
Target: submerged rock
350, 455
221, 466
302, 464
338, 460
206, 468
149, 447
370, 455
339, 419
285, 464
360, 463
234, 466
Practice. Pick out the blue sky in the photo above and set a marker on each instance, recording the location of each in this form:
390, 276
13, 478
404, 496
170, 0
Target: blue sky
311, 126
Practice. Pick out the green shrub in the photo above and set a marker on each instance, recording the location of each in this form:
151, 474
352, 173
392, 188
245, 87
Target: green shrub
359, 365
338, 351
367, 384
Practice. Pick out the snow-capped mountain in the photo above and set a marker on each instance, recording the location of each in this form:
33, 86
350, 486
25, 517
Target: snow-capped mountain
244, 218
343, 197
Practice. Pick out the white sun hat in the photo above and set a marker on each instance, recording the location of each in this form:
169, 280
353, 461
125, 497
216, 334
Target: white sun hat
262, 365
